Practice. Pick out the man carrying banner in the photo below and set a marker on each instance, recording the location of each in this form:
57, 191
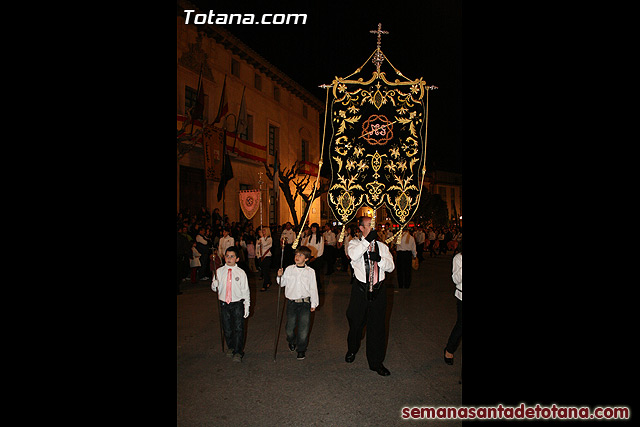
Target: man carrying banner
370, 260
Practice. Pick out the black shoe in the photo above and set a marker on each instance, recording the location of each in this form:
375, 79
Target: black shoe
447, 360
349, 357
292, 346
381, 370
300, 355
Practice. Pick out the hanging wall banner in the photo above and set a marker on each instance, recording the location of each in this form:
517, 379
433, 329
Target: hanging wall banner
249, 202
213, 138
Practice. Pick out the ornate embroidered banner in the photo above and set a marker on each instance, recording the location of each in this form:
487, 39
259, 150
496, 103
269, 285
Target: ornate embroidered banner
249, 202
377, 147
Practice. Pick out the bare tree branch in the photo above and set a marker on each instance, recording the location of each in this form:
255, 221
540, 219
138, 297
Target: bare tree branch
288, 177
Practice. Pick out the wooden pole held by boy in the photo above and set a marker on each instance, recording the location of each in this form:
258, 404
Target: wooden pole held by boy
278, 323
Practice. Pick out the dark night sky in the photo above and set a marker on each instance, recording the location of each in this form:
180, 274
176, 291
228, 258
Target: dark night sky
424, 40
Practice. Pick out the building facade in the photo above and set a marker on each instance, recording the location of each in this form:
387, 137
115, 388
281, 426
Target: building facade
449, 186
282, 116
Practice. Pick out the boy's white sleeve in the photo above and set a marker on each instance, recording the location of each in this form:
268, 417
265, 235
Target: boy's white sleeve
282, 281
314, 290
246, 296
245, 292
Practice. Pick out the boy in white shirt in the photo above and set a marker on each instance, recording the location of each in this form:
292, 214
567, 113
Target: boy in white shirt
230, 281
299, 281
225, 241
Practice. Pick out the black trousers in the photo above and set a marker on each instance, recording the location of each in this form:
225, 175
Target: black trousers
456, 332
265, 266
362, 312
204, 270
329, 256
404, 268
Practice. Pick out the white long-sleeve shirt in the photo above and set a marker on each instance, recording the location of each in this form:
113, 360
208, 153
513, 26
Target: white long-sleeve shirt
223, 244
263, 244
456, 275
357, 248
239, 284
407, 243
300, 283
317, 249
329, 238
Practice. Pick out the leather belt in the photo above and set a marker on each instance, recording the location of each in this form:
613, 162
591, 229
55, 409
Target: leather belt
365, 287
371, 296
307, 299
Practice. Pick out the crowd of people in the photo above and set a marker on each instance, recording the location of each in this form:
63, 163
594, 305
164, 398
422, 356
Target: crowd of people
225, 253
209, 234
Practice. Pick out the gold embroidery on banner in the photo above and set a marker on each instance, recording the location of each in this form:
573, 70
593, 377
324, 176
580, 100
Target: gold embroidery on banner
377, 149
345, 202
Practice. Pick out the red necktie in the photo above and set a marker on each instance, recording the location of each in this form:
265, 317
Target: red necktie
228, 291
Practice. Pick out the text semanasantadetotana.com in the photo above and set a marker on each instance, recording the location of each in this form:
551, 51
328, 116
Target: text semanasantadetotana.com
522, 412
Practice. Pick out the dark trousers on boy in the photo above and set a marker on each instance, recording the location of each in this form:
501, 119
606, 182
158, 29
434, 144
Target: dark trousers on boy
298, 313
233, 325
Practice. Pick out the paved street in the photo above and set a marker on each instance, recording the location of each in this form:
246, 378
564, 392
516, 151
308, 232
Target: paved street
323, 389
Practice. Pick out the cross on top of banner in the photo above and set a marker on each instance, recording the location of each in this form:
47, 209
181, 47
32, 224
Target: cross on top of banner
378, 59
